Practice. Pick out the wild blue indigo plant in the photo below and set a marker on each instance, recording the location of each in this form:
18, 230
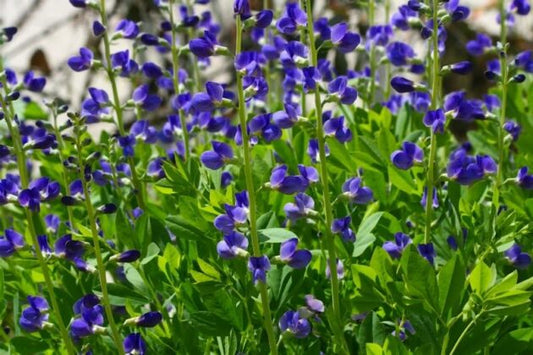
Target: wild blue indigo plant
334, 195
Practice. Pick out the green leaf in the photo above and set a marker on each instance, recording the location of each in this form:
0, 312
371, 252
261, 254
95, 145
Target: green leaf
210, 324
419, 275
482, 278
33, 111
183, 228
29, 345
364, 237
402, 180
451, 281
152, 252
275, 235
515, 342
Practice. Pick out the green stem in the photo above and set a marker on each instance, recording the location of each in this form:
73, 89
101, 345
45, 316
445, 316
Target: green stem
137, 185
386, 93
503, 108
330, 241
435, 102
372, 56
251, 193
175, 78
9, 113
98, 253
465, 331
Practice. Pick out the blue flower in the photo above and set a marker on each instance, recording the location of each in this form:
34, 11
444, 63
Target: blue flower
81, 62
343, 39
287, 184
134, 344
401, 18
8, 32
339, 88
467, 169
234, 216
356, 193
379, 35
293, 323
203, 47
127, 256
436, 120
335, 127
402, 85
297, 259
399, 53
521, 7
10, 242
427, 251
234, 244
90, 317
462, 108
98, 28
423, 200
339, 270
517, 257
342, 226
32, 83
121, 60
479, 45
242, 8
148, 320
513, 129
457, 12
39, 190
73, 250
302, 207
461, 68
396, 247
407, 156
291, 18
216, 158
33, 317
127, 29
258, 266
52, 223
524, 179
263, 19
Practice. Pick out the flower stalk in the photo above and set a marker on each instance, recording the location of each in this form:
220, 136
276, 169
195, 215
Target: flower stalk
251, 191
97, 251
330, 241
435, 102
9, 115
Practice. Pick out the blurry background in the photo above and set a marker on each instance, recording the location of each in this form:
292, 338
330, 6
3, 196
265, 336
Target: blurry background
50, 31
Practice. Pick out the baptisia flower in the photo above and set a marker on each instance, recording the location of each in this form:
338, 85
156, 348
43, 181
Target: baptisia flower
258, 266
39, 190
513, 129
292, 18
145, 320
90, 317
524, 179
339, 270
218, 157
10, 242
234, 244
302, 207
462, 108
356, 193
427, 251
340, 91
396, 247
434, 203
235, 215
466, 169
407, 156
294, 324
342, 226
134, 344
34, 317
518, 258
436, 120
297, 259
279, 180
81, 62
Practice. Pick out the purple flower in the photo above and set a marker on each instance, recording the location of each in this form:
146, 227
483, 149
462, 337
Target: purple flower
335, 127
127, 29
436, 120
402, 85
225, 179
407, 156
258, 265
98, 28
519, 259
399, 53
423, 200
314, 304
287, 184
302, 207
343, 39
467, 169
521, 7
234, 244
91, 317
33, 317
293, 323
396, 247
457, 12
141, 97
127, 256
73, 250
149, 319
513, 129
134, 344
10, 242
216, 158
401, 18
340, 270
340, 89
356, 193
291, 18
42, 189
427, 251
523, 179
81, 62
478, 46
342, 226
235, 215
461, 68
452, 242
524, 60
79, 3
379, 35
242, 8
8, 32
32, 83
204, 46
263, 19
404, 326
297, 259
42, 240
462, 108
